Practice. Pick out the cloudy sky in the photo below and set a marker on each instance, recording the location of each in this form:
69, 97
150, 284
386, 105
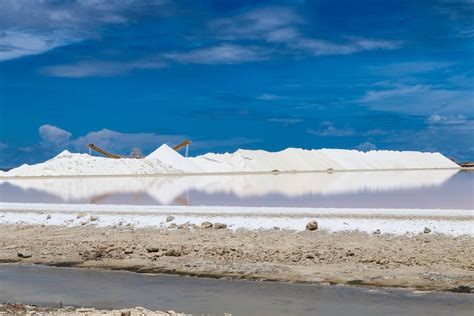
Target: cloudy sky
235, 74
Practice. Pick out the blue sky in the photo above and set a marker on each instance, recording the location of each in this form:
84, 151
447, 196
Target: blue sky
235, 74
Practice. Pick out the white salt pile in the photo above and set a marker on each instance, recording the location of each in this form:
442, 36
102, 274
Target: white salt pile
72, 164
168, 155
165, 160
295, 159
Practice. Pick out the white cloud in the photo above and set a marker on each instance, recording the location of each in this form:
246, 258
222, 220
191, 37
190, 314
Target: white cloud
222, 54
14, 44
99, 68
420, 99
377, 132
436, 119
54, 136
34, 27
318, 47
285, 121
331, 131
55, 139
124, 142
254, 24
366, 146
268, 97
278, 25
415, 67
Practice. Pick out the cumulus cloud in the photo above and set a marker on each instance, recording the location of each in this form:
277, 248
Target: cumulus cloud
54, 139
54, 136
221, 54
124, 142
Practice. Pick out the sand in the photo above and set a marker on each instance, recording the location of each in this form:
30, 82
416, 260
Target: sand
426, 261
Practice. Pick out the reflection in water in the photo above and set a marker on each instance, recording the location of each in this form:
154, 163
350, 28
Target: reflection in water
424, 189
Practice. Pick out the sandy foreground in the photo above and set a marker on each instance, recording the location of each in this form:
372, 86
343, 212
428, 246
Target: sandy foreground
425, 261
22, 309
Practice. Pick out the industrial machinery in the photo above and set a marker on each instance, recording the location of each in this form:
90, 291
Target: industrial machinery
103, 152
185, 143
136, 153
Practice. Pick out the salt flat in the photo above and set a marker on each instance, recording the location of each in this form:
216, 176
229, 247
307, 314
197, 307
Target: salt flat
390, 221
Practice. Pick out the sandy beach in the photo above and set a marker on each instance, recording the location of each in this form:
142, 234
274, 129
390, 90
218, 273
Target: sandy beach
424, 261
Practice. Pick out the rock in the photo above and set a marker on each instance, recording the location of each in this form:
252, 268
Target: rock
377, 232
170, 218
81, 215
205, 225
126, 313
219, 226
24, 254
48, 217
152, 249
93, 218
183, 226
313, 225
172, 225
427, 230
85, 310
463, 289
90, 255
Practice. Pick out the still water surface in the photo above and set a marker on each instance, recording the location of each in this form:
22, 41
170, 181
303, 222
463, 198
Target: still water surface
106, 289
447, 189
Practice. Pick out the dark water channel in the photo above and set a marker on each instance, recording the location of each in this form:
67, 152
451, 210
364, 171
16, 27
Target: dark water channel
105, 289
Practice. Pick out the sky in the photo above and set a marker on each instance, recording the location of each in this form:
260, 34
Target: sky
386, 75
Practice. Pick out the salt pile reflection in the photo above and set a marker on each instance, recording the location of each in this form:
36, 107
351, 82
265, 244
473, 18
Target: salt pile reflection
303, 189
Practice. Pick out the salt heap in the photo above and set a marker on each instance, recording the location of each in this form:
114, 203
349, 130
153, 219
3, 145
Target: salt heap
165, 160
72, 164
168, 155
296, 159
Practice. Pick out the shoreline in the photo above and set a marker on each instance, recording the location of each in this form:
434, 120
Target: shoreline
190, 174
428, 262
450, 222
